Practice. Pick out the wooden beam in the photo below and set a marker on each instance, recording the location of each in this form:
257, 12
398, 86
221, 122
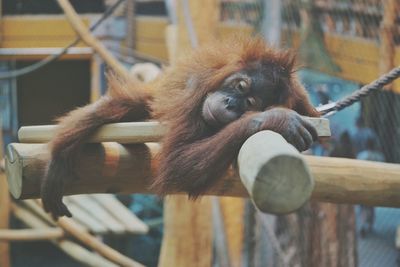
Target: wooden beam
122, 132
337, 180
115, 132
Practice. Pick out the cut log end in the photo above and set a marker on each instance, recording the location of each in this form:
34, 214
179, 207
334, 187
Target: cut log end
274, 173
14, 171
279, 189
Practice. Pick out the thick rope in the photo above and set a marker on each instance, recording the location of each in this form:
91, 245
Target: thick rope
363, 91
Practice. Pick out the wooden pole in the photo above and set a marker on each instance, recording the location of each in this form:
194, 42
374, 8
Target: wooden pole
31, 234
4, 209
131, 24
337, 180
196, 21
129, 132
116, 132
387, 28
90, 40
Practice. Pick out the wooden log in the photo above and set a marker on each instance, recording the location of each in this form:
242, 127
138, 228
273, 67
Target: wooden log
277, 179
129, 132
337, 180
30, 234
74, 250
267, 178
25, 164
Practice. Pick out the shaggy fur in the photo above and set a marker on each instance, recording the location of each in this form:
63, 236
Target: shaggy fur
194, 155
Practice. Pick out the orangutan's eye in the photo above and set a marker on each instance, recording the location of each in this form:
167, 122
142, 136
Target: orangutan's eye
243, 86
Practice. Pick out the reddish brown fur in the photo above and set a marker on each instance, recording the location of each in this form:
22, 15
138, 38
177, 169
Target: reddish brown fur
193, 154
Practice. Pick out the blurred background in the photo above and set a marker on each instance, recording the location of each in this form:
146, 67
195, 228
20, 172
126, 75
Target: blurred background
340, 44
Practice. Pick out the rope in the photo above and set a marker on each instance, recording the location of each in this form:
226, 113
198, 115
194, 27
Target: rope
54, 57
362, 92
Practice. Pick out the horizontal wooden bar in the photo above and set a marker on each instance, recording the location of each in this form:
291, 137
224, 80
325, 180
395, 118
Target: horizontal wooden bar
30, 234
124, 133
337, 180
128, 132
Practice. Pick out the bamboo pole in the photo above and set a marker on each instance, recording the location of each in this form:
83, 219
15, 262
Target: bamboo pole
90, 40
31, 234
274, 173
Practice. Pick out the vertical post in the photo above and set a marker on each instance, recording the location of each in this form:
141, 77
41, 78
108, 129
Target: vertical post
1, 22
233, 213
95, 86
188, 225
387, 48
131, 24
4, 209
272, 21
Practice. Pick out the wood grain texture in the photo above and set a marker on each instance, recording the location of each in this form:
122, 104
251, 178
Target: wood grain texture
274, 173
337, 180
